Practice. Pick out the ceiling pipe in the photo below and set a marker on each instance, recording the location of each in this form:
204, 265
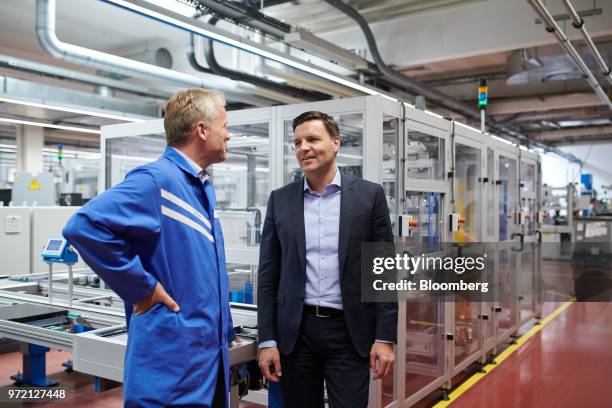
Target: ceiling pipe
435, 96
398, 79
51, 71
45, 30
579, 24
552, 27
215, 68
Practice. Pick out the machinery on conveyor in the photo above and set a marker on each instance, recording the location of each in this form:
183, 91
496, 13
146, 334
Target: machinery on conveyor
48, 311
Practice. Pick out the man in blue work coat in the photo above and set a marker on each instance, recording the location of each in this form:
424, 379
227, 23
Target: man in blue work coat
155, 240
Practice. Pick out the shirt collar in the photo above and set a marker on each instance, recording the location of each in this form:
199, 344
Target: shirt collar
336, 181
202, 173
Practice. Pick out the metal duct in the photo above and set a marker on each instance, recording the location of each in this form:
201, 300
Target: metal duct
80, 77
18, 90
45, 30
160, 57
552, 27
549, 64
526, 66
215, 68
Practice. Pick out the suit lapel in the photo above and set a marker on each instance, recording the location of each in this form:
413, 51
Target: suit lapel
300, 232
346, 217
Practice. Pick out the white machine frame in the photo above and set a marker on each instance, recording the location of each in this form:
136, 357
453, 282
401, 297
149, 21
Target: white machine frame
375, 110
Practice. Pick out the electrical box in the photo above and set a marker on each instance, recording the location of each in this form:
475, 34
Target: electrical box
455, 221
541, 217
407, 224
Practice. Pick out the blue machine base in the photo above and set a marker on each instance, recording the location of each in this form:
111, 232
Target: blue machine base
34, 367
103, 384
45, 382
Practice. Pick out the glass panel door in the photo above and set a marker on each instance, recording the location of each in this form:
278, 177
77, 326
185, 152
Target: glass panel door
425, 155
125, 153
507, 190
242, 184
467, 179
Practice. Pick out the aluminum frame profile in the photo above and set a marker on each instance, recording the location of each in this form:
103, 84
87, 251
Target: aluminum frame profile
28, 333
579, 24
308, 41
553, 27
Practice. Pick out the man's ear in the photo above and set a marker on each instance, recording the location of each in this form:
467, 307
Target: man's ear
201, 130
336, 144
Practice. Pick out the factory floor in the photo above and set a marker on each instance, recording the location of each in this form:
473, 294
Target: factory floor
568, 363
80, 386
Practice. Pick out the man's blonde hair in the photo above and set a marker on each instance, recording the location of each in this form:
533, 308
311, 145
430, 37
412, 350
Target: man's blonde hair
186, 108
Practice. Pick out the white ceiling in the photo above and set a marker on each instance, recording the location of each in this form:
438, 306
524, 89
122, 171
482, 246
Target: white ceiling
430, 31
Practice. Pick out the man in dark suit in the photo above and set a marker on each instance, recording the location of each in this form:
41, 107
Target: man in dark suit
311, 321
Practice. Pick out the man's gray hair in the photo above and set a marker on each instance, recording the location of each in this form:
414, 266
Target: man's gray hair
188, 107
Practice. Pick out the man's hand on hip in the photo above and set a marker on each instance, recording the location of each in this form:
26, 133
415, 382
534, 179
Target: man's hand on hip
270, 357
159, 295
384, 355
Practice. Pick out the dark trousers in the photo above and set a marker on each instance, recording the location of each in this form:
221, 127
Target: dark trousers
324, 351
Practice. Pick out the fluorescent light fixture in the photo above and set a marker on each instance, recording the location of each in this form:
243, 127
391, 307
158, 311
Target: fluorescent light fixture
350, 156
502, 140
180, 8
50, 125
72, 110
76, 154
472, 128
241, 43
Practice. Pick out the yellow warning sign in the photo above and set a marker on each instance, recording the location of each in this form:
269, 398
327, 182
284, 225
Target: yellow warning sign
34, 185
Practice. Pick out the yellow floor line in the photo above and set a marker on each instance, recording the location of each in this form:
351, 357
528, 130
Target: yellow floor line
469, 383
425, 323
562, 295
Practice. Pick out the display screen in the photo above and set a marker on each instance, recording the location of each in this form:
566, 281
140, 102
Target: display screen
54, 245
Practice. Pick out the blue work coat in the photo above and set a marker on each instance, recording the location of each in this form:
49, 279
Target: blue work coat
158, 225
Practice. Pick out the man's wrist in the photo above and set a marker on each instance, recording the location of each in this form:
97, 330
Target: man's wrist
267, 344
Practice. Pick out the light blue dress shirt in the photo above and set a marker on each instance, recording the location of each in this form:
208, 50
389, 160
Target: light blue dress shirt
322, 228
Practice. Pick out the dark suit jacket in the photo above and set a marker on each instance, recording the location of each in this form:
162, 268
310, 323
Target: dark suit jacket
281, 285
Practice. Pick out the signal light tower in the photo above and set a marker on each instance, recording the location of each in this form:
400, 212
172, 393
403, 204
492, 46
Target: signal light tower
483, 101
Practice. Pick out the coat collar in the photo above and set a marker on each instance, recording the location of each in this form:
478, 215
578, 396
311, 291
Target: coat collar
174, 156
347, 200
